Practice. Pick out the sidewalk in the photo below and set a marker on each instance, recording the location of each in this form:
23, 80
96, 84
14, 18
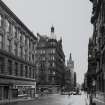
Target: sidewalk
37, 96
87, 99
16, 100
98, 101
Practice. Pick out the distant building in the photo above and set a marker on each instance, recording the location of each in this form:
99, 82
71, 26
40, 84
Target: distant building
75, 79
69, 74
50, 61
17, 56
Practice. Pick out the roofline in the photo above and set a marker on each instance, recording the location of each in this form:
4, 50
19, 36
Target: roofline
4, 6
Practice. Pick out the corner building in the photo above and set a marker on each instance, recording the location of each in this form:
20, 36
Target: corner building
50, 62
17, 56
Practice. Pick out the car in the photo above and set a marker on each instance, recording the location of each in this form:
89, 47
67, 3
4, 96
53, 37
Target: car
65, 93
74, 93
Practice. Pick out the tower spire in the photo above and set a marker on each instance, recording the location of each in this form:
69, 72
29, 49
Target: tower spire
52, 29
53, 36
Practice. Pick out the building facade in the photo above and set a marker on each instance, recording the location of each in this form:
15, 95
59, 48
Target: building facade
92, 64
17, 56
98, 21
50, 60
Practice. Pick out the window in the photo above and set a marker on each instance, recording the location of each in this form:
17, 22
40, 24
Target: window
0, 20
21, 38
33, 73
53, 51
43, 51
16, 69
29, 56
33, 58
25, 54
10, 67
1, 41
19, 33
30, 72
26, 71
21, 70
24, 38
29, 44
32, 46
53, 58
7, 26
25, 41
21, 51
1, 65
8, 45
16, 49
53, 64
14, 31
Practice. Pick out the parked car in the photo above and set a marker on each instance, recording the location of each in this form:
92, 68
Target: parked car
74, 93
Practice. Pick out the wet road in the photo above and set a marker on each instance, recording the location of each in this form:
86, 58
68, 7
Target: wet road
56, 99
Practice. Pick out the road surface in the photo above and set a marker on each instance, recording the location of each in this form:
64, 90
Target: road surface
56, 99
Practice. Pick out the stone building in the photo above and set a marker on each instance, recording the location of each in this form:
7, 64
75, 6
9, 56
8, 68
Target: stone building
98, 21
50, 61
17, 56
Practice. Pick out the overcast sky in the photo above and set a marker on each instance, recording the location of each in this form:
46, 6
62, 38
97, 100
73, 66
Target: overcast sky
71, 19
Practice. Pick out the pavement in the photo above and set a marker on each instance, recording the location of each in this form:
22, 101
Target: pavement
8, 101
98, 101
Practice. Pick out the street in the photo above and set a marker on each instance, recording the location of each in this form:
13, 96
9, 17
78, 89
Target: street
56, 99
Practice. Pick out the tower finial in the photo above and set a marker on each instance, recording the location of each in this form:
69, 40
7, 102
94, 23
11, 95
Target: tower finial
70, 56
52, 29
